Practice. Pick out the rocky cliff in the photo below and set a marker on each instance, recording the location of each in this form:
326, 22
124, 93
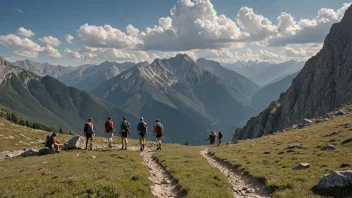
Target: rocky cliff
324, 83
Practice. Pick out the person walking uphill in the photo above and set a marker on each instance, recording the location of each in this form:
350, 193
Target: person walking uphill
159, 132
220, 138
212, 137
142, 128
124, 131
109, 130
89, 133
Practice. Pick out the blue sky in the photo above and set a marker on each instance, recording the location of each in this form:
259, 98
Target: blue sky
59, 18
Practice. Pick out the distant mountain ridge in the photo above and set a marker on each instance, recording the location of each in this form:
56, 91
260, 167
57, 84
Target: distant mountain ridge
323, 84
184, 96
243, 84
48, 101
263, 73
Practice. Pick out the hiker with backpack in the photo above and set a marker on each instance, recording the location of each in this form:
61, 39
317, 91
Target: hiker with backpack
89, 133
158, 132
142, 128
109, 130
52, 143
220, 138
124, 131
212, 137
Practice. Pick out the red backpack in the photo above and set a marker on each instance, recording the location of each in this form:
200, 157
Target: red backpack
109, 125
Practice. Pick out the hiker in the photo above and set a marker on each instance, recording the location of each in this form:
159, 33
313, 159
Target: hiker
124, 131
220, 138
109, 130
212, 137
52, 143
89, 133
142, 128
159, 132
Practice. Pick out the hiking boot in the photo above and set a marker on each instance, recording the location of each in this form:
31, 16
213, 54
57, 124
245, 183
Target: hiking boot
141, 149
125, 148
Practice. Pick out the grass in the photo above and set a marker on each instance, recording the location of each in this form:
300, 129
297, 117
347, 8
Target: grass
276, 168
193, 173
103, 173
16, 137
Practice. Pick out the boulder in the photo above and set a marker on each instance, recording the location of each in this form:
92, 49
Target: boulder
328, 147
30, 152
301, 166
347, 141
336, 179
76, 142
294, 146
46, 151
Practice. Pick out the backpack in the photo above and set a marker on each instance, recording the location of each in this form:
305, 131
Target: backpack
159, 129
49, 141
125, 126
87, 128
142, 128
109, 126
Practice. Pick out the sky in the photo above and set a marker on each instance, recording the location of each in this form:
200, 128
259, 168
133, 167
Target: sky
77, 32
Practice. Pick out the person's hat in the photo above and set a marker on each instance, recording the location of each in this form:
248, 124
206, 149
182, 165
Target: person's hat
157, 120
142, 118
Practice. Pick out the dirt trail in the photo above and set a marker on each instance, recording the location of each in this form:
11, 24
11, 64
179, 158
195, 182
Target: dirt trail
163, 184
243, 185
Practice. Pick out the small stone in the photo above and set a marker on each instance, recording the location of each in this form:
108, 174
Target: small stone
331, 134
301, 166
245, 188
344, 165
94, 157
340, 112
266, 152
347, 141
54, 177
294, 146
328, 147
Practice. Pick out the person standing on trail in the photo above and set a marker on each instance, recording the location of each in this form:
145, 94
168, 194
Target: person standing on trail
142, 128
212, 137
220, 138
124, 131
159, 132
89, 133
109, 130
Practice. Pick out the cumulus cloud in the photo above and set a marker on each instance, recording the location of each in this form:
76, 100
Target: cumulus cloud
69, 38
108, 37
27, 54
50, 51
257, 26
303, 51
49, 40
306, 30
16, 42
24, 32
74, 55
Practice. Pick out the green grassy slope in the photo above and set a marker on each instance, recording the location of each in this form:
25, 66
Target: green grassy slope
193, 173
276, 168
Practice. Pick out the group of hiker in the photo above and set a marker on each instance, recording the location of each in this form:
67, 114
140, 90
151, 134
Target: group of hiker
125, 130
212, 137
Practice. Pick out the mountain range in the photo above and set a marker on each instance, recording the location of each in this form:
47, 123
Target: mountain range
50, 102
323, 84
264, 73
187, 98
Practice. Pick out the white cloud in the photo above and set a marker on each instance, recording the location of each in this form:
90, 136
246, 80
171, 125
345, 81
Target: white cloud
107, 37
16, 42
24, 32
49, 40
18, 10
50, 51
257, 26
27, 54
307, 30
301, 51
74, 55
69, 38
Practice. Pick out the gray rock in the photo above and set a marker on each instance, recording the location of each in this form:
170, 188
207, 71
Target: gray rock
348, 125
46, 151
331, 134
10, 154
328, 147
307, 121
336, 179
294, 146
301, 166
340, 112
30, 152
76, 142
347, 141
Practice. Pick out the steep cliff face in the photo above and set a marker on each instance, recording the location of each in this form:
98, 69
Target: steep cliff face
324, 83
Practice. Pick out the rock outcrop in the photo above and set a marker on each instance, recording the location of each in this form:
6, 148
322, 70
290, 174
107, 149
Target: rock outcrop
76, 142
322, 85
336, 179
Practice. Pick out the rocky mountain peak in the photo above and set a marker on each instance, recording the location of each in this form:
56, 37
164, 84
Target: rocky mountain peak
323, 84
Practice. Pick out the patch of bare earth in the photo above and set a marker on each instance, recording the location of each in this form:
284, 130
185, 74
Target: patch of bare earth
243, 185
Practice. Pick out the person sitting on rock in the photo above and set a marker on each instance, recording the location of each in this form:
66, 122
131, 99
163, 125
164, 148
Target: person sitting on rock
52, 142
